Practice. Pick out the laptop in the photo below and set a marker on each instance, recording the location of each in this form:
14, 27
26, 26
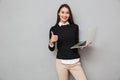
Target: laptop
90, 38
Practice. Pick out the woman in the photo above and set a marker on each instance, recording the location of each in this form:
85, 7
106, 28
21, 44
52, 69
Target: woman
66, 34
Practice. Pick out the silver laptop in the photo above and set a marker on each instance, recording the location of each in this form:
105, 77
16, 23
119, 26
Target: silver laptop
90, 38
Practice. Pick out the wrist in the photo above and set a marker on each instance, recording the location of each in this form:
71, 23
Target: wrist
51, 44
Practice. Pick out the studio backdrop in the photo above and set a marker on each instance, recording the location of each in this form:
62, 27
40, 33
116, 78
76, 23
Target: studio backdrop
24, 37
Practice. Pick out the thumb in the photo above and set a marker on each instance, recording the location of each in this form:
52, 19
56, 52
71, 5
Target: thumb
52, 33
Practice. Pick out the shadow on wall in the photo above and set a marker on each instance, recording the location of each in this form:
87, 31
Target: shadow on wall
85, 56
86, 52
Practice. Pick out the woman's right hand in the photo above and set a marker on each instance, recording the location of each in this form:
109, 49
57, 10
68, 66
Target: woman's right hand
54, 38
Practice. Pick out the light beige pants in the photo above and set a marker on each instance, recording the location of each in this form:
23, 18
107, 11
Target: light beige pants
75, 69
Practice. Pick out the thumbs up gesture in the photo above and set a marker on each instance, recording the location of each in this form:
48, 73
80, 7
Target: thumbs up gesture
54, 38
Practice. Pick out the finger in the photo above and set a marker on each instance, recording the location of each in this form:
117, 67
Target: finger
56, 37
52, 33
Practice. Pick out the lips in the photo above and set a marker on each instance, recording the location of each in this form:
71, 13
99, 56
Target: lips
64, 18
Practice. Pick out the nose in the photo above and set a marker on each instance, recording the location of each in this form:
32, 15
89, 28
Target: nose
65, 15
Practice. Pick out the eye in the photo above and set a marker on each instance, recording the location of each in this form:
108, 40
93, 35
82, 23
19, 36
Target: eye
67, 12
62, 12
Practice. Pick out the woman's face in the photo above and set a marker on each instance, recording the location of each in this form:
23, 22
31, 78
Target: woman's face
64, 14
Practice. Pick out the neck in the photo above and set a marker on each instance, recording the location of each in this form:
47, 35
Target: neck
63, 22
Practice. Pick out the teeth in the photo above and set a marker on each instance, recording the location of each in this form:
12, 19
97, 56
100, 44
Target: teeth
64, 18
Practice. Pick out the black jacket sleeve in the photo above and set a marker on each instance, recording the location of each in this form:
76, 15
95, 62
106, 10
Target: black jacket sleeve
77, 34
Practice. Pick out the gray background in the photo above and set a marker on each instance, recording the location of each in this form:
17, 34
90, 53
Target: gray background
24, 29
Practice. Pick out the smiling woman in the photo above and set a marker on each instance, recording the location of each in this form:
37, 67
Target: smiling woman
64, 14
66, 34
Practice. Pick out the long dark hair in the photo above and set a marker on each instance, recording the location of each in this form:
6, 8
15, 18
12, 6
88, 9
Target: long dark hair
70, 20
